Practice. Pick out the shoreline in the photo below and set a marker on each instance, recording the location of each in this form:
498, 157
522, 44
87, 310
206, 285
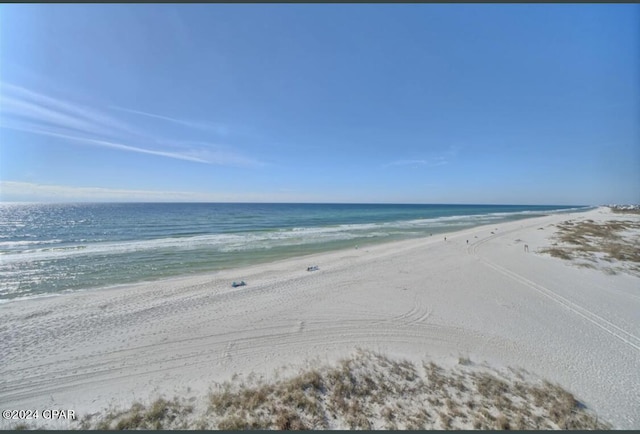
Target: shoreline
440, 232
489, 301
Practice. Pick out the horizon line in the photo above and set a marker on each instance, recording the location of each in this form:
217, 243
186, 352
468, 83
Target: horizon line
298, 203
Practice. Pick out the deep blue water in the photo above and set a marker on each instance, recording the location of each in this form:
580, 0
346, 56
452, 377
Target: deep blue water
50, 248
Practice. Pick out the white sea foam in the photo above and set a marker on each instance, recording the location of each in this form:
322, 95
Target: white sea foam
13, 244
248, 241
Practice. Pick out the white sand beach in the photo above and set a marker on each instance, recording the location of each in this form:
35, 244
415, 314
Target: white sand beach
427, 298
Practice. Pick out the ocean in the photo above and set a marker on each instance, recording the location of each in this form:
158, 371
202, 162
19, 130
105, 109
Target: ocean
47, 249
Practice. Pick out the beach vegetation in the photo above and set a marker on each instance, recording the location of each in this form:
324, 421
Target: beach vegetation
159, 414
367, 391
610, 245
464, 360
628, 209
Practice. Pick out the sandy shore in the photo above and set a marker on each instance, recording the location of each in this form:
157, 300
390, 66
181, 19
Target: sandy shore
488, 300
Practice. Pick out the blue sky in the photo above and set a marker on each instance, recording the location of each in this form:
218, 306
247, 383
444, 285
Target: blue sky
404, 103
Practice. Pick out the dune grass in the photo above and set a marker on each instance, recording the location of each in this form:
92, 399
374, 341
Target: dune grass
623, 210
612, 244
160, 414
368, 391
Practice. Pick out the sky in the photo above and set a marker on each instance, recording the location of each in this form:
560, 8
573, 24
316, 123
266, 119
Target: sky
361, 103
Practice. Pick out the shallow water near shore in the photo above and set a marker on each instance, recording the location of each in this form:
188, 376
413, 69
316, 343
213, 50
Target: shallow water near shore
55, 248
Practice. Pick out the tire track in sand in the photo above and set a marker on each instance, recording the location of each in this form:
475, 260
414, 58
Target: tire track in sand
243, 343
628, 338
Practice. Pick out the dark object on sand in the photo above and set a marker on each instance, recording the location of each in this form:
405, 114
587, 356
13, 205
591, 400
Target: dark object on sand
236, 284
314, 268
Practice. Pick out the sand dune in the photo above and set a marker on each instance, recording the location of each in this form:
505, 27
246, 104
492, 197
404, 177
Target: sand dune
488, 300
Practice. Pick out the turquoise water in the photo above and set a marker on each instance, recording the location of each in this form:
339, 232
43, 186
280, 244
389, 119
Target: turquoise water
51, 248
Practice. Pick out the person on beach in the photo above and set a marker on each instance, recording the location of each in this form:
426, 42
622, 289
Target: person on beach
445, 238
467, 241
526, 248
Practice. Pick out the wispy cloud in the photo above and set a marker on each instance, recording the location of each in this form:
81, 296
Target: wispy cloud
26, 191
29, 111
215, 153
113, 145
33, 105
15, 191
219, 129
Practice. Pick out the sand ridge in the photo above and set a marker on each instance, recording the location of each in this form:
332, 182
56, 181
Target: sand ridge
488, 300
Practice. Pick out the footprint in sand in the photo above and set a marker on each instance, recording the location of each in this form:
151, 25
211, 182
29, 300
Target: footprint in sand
228, 349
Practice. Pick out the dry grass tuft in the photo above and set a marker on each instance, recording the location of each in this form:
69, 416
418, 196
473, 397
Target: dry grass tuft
619, 210
160, 414
587, 241
558, 253
369, 391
